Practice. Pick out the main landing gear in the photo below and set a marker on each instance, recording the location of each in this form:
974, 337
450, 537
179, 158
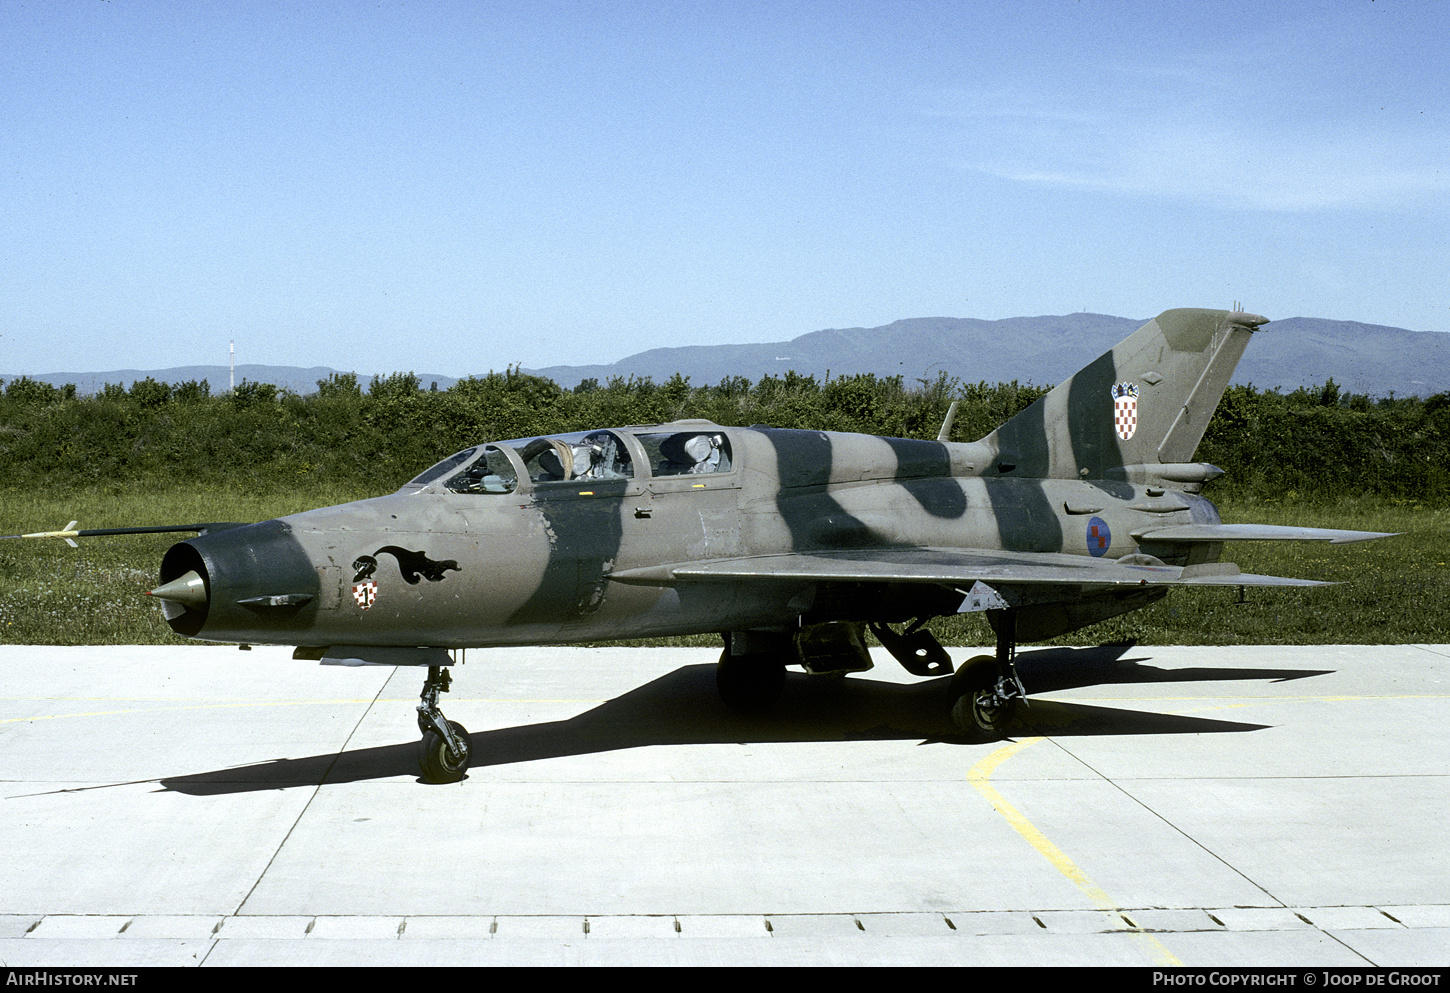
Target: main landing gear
751, 672
444, 752
750, 684
985, 691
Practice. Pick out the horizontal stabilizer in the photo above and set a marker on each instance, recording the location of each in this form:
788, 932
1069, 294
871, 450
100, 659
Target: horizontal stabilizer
1254, 532
1227, 574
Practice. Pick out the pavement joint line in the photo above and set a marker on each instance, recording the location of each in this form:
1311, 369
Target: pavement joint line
1336, 938
980, 775
962, 923
1121, 788
315, 791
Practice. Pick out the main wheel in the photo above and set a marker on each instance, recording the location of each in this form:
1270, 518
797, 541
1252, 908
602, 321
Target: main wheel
749, 684
435, 761
977, 711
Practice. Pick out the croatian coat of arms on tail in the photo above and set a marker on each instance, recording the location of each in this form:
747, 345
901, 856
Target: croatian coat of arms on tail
1125, 409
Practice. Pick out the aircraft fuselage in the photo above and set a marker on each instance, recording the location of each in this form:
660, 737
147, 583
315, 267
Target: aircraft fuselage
533, 560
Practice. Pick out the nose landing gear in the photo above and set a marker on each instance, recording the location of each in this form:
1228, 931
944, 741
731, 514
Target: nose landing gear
444, 752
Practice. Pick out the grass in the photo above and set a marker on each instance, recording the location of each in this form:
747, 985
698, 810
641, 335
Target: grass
1393, 591
52, 594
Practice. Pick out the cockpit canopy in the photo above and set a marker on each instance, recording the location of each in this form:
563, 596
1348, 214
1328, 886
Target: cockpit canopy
581, 456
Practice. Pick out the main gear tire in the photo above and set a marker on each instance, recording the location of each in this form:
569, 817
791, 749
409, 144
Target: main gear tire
978, 711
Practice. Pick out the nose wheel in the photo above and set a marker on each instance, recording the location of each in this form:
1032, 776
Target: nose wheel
444, 752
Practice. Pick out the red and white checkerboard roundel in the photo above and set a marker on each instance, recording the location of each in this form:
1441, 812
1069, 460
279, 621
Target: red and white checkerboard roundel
1125, 409
365, 593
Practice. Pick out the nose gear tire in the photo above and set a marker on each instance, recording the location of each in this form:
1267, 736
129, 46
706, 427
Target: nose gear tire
436, 763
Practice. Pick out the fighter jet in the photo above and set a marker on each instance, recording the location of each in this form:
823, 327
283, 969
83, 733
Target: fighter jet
790, 544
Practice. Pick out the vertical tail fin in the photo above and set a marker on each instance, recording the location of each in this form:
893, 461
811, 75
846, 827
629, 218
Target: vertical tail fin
1147, 400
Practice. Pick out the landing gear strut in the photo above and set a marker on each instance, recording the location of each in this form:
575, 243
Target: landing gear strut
751, 673
444, 752
750, 684
985, 691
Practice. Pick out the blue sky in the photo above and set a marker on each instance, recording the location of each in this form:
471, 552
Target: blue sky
458, 187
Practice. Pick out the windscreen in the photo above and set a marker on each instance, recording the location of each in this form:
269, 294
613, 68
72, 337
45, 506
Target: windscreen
493, 473
444, 467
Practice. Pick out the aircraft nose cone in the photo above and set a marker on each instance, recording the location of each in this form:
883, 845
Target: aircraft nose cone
188, 590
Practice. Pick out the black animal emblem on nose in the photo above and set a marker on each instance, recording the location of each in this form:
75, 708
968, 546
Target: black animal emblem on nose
412, 565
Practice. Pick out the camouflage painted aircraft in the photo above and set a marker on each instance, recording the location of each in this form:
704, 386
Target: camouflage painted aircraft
789, 543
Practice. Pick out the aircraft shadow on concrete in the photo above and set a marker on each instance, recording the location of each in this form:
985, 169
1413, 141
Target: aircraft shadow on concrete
682, 708
1046, 669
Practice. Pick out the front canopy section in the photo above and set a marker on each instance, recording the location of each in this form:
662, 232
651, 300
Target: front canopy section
563, 458
490, 471
433, 473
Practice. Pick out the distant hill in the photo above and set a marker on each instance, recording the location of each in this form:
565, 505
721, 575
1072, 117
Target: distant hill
1298, 351
1361, 358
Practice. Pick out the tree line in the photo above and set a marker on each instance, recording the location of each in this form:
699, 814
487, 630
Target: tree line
1308, 444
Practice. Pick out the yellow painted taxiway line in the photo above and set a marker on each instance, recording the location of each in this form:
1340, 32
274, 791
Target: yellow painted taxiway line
980, 775
163, 709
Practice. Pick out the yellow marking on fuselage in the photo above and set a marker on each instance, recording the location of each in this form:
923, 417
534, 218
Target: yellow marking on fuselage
979, 776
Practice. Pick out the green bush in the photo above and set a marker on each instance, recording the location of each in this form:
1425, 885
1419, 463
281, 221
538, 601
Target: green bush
27, 390
149, 393
1309, 444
